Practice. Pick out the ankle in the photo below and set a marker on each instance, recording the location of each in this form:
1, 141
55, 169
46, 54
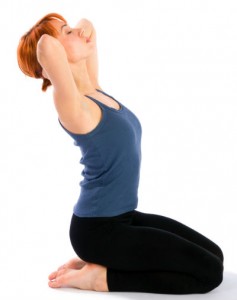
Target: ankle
100, 283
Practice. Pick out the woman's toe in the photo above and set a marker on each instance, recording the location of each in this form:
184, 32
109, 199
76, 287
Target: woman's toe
53, 284
53, 275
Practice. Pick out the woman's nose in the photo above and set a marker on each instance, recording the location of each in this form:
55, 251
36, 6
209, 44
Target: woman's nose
80, 31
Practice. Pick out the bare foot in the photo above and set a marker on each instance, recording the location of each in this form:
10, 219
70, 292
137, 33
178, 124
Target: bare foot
74, 263
90, 277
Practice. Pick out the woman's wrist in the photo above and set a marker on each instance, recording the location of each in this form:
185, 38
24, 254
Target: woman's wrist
86, 27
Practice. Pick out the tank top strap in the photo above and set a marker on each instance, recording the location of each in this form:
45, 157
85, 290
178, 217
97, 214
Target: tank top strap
102, 105
105, 93
96, 101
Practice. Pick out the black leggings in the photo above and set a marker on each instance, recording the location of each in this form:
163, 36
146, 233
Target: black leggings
148, 253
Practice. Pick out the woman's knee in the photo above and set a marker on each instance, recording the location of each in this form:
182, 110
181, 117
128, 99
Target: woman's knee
220, 254
214, 279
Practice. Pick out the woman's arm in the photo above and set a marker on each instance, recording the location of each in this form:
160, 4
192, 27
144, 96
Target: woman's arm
53, 59
92, 61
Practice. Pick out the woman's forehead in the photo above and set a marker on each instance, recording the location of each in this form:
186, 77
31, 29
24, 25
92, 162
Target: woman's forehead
58, 24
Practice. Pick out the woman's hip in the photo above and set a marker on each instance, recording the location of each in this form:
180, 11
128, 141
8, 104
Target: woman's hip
90, 236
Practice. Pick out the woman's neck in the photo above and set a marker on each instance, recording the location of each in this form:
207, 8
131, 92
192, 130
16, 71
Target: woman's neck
82, 78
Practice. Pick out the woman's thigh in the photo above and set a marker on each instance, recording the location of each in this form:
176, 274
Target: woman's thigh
173, 226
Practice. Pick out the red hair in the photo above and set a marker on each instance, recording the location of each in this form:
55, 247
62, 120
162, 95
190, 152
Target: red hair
26, 50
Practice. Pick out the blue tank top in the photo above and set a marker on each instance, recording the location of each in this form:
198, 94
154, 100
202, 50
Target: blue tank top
111, 155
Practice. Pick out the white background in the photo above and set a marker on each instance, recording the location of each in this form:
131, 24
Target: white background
172, 62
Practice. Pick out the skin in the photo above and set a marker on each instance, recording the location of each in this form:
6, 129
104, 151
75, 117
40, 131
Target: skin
70, 63
79, 274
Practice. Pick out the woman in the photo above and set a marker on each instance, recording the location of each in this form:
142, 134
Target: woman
118, 248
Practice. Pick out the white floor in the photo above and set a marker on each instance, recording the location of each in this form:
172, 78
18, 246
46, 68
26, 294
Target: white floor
227, 291
31, 284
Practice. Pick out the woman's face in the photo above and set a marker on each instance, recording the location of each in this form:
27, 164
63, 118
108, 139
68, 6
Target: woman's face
76, 45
